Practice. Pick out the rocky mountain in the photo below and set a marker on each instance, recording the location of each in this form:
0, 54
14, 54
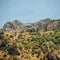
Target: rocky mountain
41, 42
44, 24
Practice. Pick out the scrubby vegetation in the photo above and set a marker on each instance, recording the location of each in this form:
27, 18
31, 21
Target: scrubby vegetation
31, 44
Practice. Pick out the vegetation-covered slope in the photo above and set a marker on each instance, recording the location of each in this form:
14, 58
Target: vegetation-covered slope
37, 41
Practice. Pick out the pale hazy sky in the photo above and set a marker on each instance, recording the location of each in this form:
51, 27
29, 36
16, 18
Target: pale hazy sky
28, 10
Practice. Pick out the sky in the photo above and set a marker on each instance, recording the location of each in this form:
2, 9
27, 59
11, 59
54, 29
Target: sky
28, 11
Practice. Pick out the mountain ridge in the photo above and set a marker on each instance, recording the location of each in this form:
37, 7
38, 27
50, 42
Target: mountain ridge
17, 26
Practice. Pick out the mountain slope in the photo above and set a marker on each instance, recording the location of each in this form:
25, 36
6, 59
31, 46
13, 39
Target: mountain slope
44, 24
39, 40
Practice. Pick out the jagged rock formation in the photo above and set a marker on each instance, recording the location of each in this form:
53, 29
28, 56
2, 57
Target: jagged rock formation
44, 24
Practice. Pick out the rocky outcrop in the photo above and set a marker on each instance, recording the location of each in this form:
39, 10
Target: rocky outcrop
17, 26
53, 55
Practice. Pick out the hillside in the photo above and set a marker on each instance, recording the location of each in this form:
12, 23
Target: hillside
30, 41
17, 26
